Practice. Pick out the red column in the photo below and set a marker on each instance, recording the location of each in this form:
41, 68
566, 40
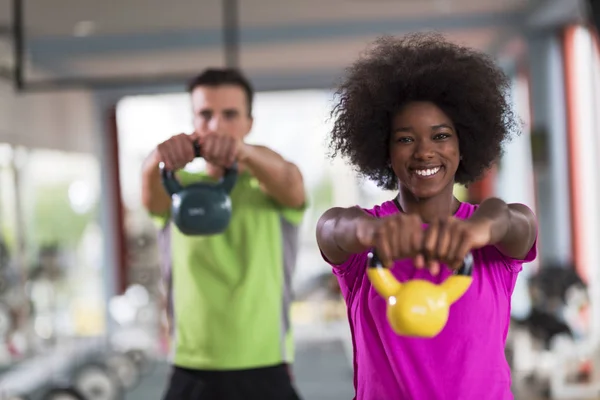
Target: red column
119, 223
484, 188
573, 127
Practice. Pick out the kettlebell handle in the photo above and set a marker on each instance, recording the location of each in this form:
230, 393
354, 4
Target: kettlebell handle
173, 186
169, 180
197, 153
466, 269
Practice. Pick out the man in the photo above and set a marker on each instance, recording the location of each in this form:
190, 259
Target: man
231, 291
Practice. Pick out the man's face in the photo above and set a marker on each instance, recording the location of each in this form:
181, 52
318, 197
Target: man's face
221, 110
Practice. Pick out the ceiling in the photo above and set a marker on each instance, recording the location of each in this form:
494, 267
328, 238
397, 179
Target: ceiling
128, 39
113, 17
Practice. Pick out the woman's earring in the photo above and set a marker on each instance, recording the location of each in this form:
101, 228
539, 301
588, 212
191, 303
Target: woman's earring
461, 157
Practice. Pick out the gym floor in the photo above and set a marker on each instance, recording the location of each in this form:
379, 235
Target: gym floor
321, 371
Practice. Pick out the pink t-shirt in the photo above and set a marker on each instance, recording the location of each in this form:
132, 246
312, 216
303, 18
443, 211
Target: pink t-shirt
464, 362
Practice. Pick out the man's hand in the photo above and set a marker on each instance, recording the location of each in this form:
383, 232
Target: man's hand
279, 179
221, 150
176, 152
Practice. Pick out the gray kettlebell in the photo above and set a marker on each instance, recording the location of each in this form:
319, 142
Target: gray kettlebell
201, 208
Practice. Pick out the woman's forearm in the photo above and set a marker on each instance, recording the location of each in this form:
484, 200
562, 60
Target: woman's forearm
513, 227
338, 232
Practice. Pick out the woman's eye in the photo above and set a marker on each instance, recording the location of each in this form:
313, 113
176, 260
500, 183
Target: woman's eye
441, 136
405, 139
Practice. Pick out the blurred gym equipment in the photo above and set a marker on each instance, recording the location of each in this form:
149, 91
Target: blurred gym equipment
141, 360
125, 368
63, 394
547, 349
97, 382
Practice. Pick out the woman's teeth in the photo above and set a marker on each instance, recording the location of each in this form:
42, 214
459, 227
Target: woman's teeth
427, 172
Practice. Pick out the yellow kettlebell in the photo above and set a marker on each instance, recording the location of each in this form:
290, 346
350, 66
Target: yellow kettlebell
418, 308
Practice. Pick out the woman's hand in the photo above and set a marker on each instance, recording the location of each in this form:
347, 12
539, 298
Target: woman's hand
395, 237
449, 241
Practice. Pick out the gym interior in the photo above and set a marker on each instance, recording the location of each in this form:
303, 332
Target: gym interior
88, 89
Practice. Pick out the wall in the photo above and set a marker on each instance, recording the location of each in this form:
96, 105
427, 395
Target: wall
63, 120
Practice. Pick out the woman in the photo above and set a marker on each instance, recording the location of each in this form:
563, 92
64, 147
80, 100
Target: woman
417, 115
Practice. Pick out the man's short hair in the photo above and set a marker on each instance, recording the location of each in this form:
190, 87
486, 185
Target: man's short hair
214, 77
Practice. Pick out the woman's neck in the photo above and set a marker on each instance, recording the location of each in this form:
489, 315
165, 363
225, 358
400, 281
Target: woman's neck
441, 206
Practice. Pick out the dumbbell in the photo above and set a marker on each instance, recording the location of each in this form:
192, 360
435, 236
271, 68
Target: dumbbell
96, 382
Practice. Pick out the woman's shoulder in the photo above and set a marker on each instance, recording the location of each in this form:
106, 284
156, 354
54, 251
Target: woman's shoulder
382, 210
389, 207
465, 210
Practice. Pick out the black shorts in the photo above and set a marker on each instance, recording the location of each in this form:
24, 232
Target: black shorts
269, 383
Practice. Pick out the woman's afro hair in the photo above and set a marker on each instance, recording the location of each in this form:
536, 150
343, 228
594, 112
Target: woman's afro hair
465, 84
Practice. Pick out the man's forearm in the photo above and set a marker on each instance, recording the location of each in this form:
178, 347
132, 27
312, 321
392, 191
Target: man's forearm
281, 179
154, 197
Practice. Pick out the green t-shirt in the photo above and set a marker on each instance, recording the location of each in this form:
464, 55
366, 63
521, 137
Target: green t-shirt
231, 292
